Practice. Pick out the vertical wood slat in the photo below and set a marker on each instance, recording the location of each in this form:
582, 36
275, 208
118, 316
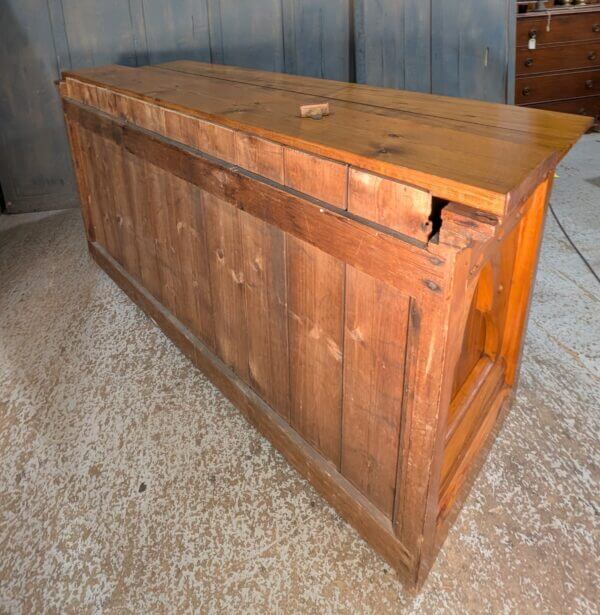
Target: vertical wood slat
188, 239
374, 356
315, 306
225, 255
266, 311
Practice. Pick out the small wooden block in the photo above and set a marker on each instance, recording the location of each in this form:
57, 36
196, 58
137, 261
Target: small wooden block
315, 111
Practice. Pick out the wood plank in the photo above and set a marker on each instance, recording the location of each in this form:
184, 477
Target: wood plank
400, 145
324, 179
265, 296
116, 175
393, 41
187, 229
546, 127
139, 193
317, 38
403, 208
252, 33
259, 156
176, 29
227, 283
374, 353
315, 284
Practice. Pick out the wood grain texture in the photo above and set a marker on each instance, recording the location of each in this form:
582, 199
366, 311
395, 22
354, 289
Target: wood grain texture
315, 298
324, 179
265, 294
338, 491
225, 254
400, 207
516, 156
259, 156
376, 324
399, 263
338, 336
393, 42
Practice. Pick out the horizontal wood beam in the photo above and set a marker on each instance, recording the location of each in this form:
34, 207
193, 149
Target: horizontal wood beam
375, 250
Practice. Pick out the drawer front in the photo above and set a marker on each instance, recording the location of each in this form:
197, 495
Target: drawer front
563, 28
556, 87
560, 57
580, 106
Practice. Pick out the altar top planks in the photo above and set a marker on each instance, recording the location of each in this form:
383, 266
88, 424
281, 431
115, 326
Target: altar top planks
351, 266
481, 154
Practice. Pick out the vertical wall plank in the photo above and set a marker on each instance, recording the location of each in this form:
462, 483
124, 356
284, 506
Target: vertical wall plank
461, 33
176, 30
227, 282
393, 43
35, 164
373, 385
99, 32
252, 34
317, 38
315, 303
266, 311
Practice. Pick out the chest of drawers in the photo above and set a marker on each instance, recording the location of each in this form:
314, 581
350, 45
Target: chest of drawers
562, 71
357, 284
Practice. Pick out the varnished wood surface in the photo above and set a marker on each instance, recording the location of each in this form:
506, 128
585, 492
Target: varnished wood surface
479, 154
375, 357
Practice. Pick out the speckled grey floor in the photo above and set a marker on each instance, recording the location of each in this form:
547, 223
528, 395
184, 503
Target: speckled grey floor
128, 484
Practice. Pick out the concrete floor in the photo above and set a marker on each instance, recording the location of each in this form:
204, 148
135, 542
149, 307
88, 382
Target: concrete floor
128, 484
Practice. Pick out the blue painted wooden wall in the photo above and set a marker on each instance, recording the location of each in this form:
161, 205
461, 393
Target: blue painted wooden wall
455, 47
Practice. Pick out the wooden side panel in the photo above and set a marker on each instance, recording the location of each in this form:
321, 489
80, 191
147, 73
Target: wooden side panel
374, 355
264, 267
227, 283
315, 304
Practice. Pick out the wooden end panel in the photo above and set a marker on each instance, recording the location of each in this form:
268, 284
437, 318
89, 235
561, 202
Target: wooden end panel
259, 156
374, 360
265, 294
390, 203
321, 178
315, 302
469, 409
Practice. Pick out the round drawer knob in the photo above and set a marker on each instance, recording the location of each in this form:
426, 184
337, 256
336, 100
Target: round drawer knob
533, 32
529, 62
596, 27
589, 84
526, 91
592, 55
